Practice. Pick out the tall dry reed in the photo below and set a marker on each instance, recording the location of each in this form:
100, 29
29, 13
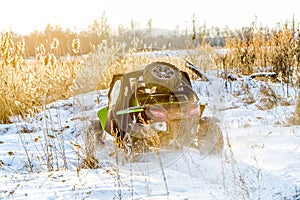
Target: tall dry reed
26, 84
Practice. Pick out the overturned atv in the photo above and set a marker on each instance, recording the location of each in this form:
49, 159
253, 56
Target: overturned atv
156, 107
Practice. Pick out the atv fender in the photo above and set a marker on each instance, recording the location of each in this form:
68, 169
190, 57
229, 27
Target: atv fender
102, 115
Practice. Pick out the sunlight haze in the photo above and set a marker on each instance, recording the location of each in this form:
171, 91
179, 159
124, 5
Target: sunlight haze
25, 16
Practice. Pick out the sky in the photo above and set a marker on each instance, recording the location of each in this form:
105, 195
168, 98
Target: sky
25, 16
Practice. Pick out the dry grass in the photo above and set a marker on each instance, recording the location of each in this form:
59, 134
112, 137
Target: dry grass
260, 51
25, 85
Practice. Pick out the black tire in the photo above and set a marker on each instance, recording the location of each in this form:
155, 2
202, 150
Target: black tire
162, 74
210, 138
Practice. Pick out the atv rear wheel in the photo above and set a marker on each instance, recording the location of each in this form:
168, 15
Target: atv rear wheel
209, 136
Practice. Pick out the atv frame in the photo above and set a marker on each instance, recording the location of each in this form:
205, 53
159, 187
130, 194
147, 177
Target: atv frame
156, 107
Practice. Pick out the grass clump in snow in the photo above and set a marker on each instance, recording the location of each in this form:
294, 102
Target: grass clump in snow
256, 50
26, 84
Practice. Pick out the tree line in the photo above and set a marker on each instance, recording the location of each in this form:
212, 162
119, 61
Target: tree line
134, 37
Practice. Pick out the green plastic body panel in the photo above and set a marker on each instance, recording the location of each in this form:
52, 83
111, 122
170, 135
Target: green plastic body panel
102, 115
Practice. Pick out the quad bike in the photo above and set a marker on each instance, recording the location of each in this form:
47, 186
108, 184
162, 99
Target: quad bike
156, 107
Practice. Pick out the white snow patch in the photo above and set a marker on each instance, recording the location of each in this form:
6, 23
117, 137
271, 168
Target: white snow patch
261, 159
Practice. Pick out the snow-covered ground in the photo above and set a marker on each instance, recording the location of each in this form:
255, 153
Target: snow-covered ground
41, 157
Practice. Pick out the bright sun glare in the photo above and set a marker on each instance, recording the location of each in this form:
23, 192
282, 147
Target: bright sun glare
25, 16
